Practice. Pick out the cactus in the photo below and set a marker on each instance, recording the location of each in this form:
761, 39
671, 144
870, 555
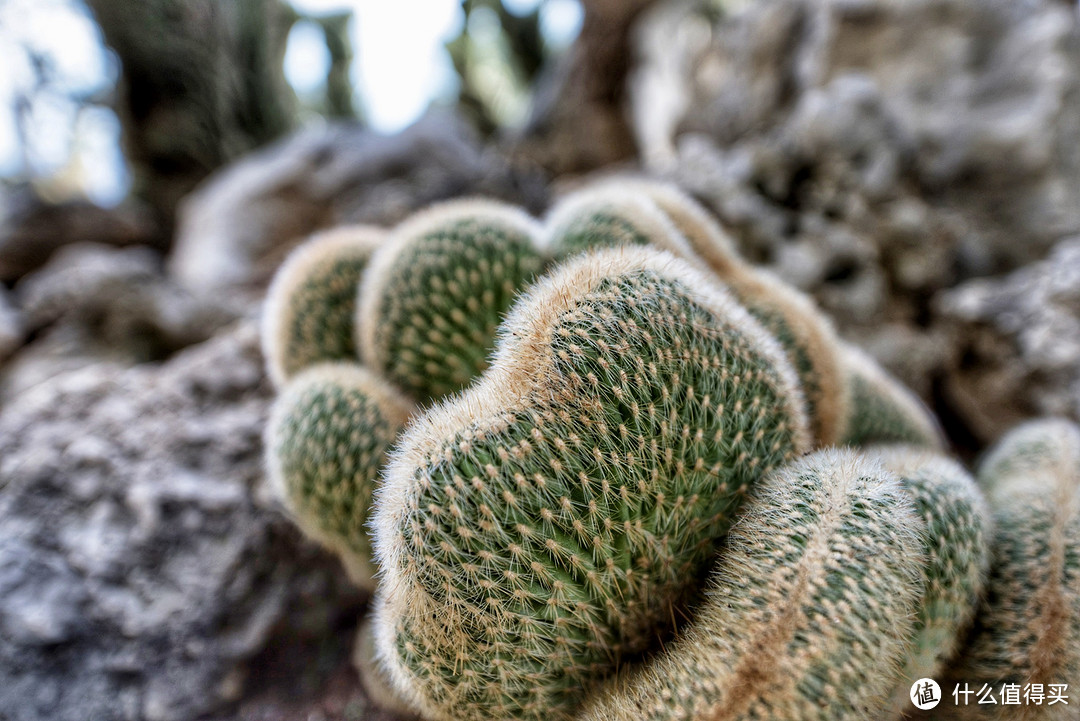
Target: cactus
691, 233
545, 524
881, 409
373, 677
432, 297
808, 615
606, 216
311, 305
328, 435
957, 525
1028, 629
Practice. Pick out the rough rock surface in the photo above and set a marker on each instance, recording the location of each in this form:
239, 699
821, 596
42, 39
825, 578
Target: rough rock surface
94, 303
12, 326
138, 570
238, 226
1017, 343
874, 153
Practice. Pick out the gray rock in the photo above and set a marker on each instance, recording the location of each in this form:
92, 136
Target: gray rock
12, 326
139, 571
900, 146
238, 226
1017, 343
93, 303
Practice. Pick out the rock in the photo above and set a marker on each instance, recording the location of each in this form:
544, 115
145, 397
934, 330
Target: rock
1017, 344
31, 230
880, 150
237, 227
139, 570
12, 326
93, 303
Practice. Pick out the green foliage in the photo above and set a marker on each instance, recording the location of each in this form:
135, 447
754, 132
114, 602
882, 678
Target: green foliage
808, 614
1028, 628
546, 524
328, 435
435, 293
310, 308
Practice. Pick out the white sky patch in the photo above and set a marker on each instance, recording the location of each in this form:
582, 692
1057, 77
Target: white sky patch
401, 64
307, 61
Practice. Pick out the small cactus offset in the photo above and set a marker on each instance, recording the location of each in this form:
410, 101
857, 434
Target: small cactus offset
881, 409
310, 308
328, 435
808, 614
1028, 628
607, 216
957, 525
434, 294
552, 519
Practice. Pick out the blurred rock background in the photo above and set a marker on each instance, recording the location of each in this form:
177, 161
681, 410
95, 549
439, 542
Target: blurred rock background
913, 165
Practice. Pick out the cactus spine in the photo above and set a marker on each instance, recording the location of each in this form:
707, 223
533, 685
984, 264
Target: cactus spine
957, 523
809, 610
433, 295
881, 409
543, 525
1028, 629
311, 304
327, 438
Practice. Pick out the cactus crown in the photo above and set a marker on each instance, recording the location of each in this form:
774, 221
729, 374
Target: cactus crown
808, 612
327, 438
545, 523
310, 306
432, 296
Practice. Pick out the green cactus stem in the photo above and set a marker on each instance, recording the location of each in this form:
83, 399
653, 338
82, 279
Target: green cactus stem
311, 304
881, 409
957, 526
809, 611
328, 436
607, 216
550, 521
433, 295
1028, 628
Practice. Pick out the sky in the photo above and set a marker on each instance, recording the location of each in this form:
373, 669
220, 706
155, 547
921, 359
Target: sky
400, 67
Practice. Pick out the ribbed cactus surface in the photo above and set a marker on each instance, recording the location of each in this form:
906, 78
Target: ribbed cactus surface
328, 436
1028, 628
548, 522
880, 408
433, 295
809, 611
608, 216
956, 522
310, 308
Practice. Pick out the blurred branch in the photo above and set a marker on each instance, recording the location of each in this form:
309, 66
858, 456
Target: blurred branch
339, 89
579, 120
202, 83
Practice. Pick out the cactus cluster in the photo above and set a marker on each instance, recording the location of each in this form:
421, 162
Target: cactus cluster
607, 499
